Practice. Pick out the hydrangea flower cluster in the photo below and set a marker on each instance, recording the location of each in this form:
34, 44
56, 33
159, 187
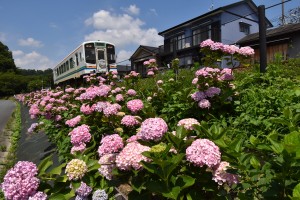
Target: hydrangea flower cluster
153, 129
80, 134
110, 144
74, 121
107, 163
87, 109
84, 190
20, 181
152, 67
131, 92
221, 176
100, 195
76, 169
203, 152
188, 123
38, 196
129, 121
33, 127
111, 109
229, 49
119, 97
205, 79
131, 156
135, 105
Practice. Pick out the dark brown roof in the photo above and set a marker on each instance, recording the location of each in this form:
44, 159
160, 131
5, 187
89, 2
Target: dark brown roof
272, 32
215, 12
151, 50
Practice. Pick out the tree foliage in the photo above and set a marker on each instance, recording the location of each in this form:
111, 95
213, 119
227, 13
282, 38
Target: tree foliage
6, 59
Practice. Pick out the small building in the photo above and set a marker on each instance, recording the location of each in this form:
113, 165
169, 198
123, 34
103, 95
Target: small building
284, 40
226, 24
142, 54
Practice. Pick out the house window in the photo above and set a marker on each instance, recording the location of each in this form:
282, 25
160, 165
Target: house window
245, 28
201, 34
178, 42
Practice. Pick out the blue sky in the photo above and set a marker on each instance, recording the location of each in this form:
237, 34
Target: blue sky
41, 33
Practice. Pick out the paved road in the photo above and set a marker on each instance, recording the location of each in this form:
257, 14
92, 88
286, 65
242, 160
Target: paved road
6, 109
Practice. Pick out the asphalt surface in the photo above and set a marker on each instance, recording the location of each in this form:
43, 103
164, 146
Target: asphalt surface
6, 109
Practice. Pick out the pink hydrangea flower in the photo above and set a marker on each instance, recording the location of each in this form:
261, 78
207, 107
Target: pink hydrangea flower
38, 196
99, 107
80, 134
110, 144
135, 105
119, 97
226, 75
78, 147
203, 152
131, 156
107, 163
129, 121
188, 123
20, 181
131, 92
153, 129
111, 109
150, 73
87, 109
204, 103
221, 176
246, 51
74, 121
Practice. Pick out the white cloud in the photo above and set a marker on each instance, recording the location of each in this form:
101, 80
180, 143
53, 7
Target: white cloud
30, 42
152, 10
31, 60
132, 10
124, 55
2, 37
122, 30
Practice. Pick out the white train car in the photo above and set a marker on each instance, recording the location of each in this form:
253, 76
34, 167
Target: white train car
91, 56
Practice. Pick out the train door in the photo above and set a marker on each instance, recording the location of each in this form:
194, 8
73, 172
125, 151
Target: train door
101, 60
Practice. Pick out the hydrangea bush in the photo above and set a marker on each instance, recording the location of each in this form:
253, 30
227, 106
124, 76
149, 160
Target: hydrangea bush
109, 135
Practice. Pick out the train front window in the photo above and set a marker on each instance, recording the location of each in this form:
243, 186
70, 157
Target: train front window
110, 49
90, 55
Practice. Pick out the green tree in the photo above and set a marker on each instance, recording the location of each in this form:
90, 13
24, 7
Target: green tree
6, 59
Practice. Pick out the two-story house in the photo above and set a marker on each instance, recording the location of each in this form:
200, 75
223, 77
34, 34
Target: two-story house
226, 24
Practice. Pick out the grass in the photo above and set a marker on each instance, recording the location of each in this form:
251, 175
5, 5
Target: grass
13, 128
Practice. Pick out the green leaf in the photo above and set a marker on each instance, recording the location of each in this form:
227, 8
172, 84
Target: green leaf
236, 145
292, 142
275, 145
255, 162
296, 191
45, 164
57, 170
253, 140
175, 191
185, 181
57, 197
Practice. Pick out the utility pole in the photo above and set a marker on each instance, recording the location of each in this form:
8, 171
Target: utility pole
282, 13
262, 38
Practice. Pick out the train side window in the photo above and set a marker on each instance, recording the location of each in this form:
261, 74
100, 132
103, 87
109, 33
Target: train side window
67, 66
80, 56
76, 55
71, 63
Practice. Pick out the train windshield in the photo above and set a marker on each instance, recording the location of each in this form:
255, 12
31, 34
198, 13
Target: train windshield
90, 55
111, 58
